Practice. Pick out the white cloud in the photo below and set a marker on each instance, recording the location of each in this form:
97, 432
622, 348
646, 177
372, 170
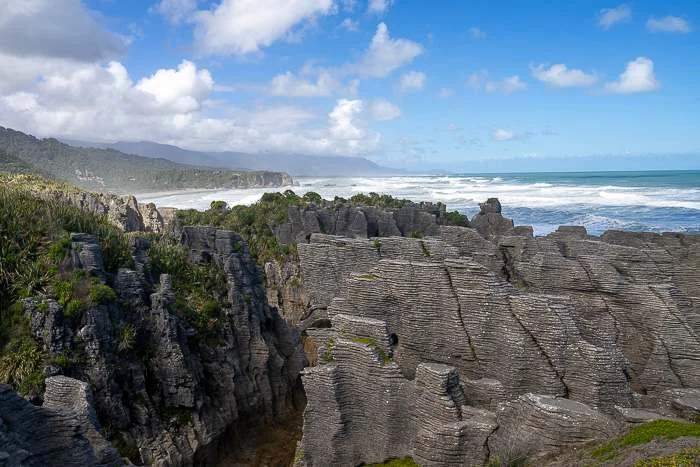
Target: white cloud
668, 24
176, 11
444, 93
507, 85
385, 54
350, 25
174, 106
182, 90
477, 79
412, 80
637, 77
384, 110
245, 26
476, 33
57, 30
501, 134
479, 82
346, 127
560, 76
611, 16
290, 85
378, 6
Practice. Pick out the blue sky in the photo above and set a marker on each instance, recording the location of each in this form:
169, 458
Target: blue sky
405, 83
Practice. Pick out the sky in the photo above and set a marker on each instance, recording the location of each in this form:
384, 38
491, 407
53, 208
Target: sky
408, 84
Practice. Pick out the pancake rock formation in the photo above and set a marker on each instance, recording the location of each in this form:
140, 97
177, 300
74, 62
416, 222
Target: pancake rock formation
163, 392
488, 344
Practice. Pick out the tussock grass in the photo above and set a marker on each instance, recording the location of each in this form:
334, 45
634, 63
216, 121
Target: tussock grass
644, 433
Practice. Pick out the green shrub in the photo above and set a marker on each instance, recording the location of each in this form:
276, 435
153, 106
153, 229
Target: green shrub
73, 309
127, 338
218, 205
21, 366
67, 359
201, 290
35, 238
382, 201
455, 218
102, 294
312, 197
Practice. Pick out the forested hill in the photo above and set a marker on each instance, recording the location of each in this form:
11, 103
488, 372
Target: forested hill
110, 170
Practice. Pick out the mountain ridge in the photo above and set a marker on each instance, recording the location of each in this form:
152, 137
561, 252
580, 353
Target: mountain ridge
106, 169
293, 164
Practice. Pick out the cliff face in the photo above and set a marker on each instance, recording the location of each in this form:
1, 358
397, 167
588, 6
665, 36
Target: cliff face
491, 344
62, 432
165, 393
286, 289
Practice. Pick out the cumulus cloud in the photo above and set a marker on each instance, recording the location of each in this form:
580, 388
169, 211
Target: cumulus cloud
412, 80
176, 11
246, 26
476, 33
608, 17
384, 110
350, 25
668, 24
55, 30
346, 126
638, 77
175, 106
560, 76
386, 54
378, 6
181, 90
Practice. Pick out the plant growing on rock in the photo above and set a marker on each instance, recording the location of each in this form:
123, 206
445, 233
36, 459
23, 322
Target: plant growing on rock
102, 294
127, 337
21, 366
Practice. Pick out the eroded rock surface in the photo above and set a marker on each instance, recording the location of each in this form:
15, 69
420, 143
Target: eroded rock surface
480, 336
62, 432
163, 393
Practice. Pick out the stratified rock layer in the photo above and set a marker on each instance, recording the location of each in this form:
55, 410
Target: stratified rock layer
164, 393
62, 432
488, 343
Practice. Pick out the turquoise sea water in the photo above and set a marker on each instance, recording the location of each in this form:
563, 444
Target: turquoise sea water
640, 201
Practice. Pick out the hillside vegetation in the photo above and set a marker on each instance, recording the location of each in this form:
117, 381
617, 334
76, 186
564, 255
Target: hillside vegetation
34, 262
256, 222
110, 170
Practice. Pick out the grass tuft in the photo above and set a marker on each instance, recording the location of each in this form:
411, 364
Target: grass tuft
644, 433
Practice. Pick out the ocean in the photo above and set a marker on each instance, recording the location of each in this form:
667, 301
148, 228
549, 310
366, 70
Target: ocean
655, 201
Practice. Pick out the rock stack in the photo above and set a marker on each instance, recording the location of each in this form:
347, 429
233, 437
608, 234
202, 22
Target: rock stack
487, 343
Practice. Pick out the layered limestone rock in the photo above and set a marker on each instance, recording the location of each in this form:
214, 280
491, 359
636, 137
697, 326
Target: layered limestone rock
346, 221
163, 392
563, 338
62, 432
352, 221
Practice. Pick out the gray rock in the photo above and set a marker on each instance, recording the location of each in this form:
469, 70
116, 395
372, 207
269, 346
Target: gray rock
60, 433
565, 336
167, 394
534, 425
